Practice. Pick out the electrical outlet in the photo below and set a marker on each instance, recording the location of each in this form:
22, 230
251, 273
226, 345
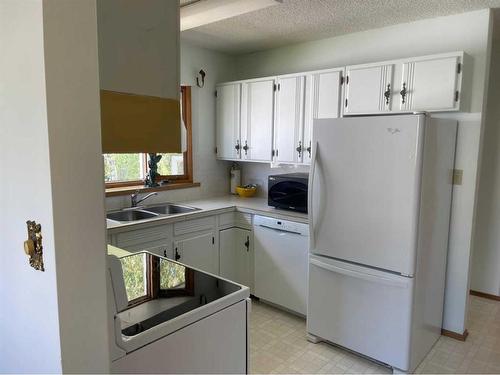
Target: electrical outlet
457, 176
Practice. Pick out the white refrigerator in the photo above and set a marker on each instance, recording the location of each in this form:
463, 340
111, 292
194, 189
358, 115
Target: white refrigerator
379, 210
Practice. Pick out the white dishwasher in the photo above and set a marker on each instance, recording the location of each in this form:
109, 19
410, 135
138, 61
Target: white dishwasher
281, 262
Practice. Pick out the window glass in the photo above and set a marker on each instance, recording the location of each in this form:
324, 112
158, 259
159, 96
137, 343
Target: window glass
171, 165
123, 167
172, 276
134, 275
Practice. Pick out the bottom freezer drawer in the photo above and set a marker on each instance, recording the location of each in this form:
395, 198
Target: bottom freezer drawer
362, 309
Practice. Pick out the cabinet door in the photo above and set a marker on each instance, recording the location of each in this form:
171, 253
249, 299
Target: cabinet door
431, 84
199, 251
289, 121
236, 250
368, 89
228, 121
323, 100
257, 119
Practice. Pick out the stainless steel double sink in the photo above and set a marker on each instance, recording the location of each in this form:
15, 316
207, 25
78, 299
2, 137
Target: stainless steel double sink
149, 212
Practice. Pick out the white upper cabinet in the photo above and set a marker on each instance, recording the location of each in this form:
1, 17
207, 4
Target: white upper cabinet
228, 121
322, 100
368, 88
257, 117
431, 83
271, 119
289, 121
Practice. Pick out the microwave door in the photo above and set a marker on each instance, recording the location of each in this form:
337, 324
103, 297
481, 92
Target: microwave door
288, 195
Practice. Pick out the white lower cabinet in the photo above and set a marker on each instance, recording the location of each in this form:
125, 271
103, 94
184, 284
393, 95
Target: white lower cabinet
199, 251
224, 245
236, 255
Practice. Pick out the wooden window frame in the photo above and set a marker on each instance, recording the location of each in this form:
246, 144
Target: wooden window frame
187, 177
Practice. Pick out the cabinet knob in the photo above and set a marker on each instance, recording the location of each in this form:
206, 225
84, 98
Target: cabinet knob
247, 243
177, 256
308, 149
299, 148
245, 148
387, 94
403, 93
237, 147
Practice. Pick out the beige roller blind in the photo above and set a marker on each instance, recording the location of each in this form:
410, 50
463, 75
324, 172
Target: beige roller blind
138, 123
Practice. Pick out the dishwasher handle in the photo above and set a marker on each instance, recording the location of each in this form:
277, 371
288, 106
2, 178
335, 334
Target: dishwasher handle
280, 230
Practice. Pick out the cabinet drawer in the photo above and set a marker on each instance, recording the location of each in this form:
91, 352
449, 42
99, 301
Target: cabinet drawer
235, 219
196, 225
161, 248
140, 236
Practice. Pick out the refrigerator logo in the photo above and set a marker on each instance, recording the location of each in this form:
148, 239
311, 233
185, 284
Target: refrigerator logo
393, 130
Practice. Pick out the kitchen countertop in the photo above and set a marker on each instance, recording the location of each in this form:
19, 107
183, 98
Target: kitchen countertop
213, 206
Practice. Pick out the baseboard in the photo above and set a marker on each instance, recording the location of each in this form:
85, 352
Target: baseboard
485, 295
455, 335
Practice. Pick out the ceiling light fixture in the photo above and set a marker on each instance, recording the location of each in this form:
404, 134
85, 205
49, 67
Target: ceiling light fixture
204, 12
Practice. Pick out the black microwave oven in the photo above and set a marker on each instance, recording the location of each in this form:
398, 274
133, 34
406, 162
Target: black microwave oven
288, 191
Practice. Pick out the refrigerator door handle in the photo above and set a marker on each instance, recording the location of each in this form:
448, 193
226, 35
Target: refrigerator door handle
400, 282
310, 197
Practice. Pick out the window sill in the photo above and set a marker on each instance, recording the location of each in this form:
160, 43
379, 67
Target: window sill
125, 190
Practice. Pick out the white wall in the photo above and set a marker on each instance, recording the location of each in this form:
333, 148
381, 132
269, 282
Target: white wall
443, 34
51, 171
72, 86
211, 173
129, 33
29, 318
486, 254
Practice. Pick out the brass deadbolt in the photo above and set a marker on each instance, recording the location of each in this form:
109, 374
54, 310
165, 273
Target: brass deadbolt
29, 247
33, 245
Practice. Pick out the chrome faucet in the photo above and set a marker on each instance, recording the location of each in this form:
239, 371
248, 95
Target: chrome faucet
134, 201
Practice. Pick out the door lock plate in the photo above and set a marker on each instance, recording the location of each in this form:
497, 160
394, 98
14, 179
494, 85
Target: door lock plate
33, 245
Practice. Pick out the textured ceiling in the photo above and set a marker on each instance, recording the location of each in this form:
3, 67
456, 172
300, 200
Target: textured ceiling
296, 21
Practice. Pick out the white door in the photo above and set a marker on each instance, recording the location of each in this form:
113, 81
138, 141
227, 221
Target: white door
364, 188
199, 251
235, 253
323, 100
257, 113
431, 84
228, 121
368, 89
362, 309
289, 123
